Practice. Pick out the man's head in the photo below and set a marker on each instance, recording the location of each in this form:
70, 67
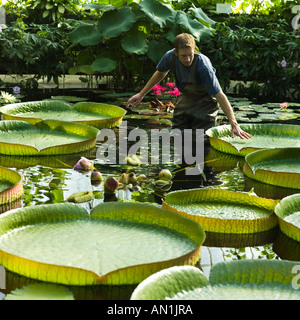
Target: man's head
184, 48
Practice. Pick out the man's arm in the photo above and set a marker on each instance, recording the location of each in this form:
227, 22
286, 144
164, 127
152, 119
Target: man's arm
157, 77
227, 108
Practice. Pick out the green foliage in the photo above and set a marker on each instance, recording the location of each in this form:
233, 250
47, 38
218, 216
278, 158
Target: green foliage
35, 49
268, 57
128, 41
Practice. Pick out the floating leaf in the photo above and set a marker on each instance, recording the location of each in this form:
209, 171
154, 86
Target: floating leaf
218, 210
11, 187
99, 115
279, 167
41, 291
288, 212
264, 136
49, 137
234, 280
62, 243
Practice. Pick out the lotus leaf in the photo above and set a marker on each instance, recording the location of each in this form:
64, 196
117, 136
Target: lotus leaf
11, 187
62, 243
195, 27
279, 167
234, 280
218, 210
104, 65
99, 115
49, 137
113, 23
87, 34
158, 13
264, 136
288, 212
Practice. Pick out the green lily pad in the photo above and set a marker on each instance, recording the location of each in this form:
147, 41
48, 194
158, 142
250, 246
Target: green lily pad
99, 115
264, 136
219, 210
234, 280
62, 243
41, 291
288, 212
11, 187
47, 137
279, 167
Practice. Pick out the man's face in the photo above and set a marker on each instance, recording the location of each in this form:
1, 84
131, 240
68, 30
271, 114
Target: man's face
185, 55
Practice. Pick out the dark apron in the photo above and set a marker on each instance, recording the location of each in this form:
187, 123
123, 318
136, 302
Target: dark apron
195, 108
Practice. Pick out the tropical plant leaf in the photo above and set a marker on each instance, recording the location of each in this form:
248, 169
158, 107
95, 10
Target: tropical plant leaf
135, 42
218, 210
73, 247
234, 280
49, 137
94, 114
113, 23
158, 13
11, 187
288, 212
264, 136
196, 28
104, 65
278, 166
87, 34
199, 14
156, 49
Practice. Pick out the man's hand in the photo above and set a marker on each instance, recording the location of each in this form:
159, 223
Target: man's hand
134, 100
236, 130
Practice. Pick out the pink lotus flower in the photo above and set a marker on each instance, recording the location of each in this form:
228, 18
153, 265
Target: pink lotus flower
284, 105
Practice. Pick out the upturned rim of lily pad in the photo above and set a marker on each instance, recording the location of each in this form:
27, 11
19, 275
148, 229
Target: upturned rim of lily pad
285, 208
87, 135
216, 134
243, 278
22, 111
222, 196
145, 214
15, 191
286, 179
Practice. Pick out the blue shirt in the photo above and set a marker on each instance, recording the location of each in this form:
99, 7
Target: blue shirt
205, 73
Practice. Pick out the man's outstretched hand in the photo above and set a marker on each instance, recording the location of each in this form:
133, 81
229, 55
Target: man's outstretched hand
134, 100
237, 131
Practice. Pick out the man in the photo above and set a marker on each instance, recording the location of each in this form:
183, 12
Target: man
197, 106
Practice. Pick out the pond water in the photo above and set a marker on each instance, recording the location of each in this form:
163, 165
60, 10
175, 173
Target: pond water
53, 180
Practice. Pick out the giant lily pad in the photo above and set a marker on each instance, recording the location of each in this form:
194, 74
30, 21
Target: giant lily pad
264, 136
279, 167
234, 280
288, 212
218, 210
62, 243
48, 137
99, 115
11, 187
